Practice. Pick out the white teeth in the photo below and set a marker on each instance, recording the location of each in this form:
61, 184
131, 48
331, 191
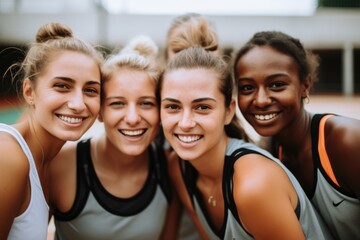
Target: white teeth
70, 119
188, 139
265, 117
133, 133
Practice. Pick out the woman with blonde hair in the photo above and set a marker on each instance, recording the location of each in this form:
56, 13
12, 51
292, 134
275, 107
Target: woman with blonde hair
116, 185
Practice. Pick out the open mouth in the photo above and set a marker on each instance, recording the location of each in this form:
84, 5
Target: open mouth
133, 133
265, 117
71, 120
188, 139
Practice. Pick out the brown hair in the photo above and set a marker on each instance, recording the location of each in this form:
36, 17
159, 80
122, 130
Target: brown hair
192, 30
197, 57
306, 61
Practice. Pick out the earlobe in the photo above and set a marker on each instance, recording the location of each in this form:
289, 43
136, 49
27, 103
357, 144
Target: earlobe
306, 87
28, 92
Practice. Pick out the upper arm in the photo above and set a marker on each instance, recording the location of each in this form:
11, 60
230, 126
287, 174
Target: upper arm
62, 178
265, 199
14, 183
343, 148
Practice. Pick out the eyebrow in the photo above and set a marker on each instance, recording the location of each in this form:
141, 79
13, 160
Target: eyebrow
194, 101
121, 97
67, 79
268, 77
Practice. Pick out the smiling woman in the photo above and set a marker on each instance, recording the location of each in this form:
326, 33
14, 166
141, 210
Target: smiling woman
61, 85
118, 180
274, 74
231, 188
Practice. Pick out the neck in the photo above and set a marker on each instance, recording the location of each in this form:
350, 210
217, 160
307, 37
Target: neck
297, 134
210, 165
42, 144
109, 156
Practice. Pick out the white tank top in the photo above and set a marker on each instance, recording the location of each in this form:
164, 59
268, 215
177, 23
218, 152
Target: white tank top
32, 224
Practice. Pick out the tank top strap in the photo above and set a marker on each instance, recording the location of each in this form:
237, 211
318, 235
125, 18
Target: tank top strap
324, 158
82, 182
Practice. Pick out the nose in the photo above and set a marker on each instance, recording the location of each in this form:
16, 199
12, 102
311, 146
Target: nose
132, 116
77, 103
262, 98
187, 122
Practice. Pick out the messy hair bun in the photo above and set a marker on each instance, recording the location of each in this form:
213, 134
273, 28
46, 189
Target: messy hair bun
139, 54
142, 45
52, 31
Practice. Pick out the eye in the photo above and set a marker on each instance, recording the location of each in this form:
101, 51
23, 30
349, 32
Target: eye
147, 104
116, 104
277, 86
61, 86
171, 107
246, 89
91, 91
203, 108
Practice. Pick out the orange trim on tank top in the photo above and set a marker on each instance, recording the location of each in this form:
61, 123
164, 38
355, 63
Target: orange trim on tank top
324, 158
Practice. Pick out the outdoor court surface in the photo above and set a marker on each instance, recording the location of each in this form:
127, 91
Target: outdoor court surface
347, 106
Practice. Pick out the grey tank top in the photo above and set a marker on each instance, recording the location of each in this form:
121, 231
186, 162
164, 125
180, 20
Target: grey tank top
340, 210
311, 223
96, 214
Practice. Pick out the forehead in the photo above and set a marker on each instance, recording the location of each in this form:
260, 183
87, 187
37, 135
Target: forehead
266, 58
265, 55
186, 81
126, 79
72, 64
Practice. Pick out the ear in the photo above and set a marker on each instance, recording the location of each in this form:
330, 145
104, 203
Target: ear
100, 117
230, 111
29, 91
305, 87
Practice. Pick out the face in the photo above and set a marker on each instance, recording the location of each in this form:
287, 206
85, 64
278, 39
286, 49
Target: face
270, 93
66, 95
193, 112
130, 111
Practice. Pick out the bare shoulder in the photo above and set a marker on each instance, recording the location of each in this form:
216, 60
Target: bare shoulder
343, 130
342, 141
255, 176
12, 155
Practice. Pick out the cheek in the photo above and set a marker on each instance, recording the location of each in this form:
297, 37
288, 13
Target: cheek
167, 120
243, 101
153, 117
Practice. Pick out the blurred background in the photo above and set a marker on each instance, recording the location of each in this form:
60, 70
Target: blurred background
331, 28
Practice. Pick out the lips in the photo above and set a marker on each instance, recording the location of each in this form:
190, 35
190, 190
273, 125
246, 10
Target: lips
188, 139
265, 117
133, 133
71, 120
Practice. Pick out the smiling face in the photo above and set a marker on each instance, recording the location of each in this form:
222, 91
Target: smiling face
193, 112
130, 111
66, 95
270, 93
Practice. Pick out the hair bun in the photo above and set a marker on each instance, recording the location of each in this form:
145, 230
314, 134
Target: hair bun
143, 45
53, 31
